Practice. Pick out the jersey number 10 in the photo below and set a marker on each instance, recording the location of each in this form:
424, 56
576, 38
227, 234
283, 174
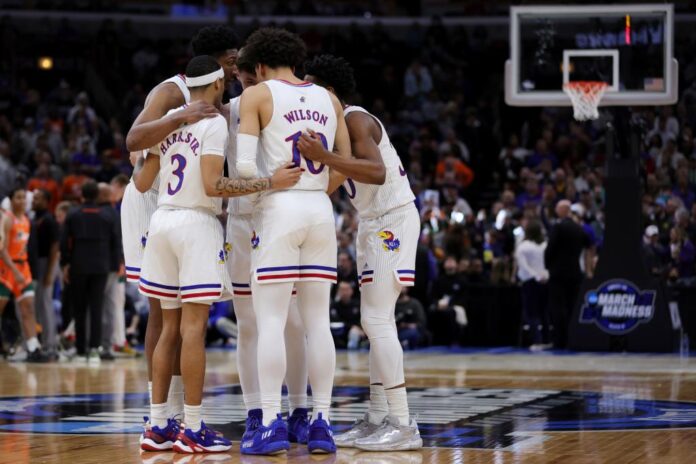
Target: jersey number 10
297, 156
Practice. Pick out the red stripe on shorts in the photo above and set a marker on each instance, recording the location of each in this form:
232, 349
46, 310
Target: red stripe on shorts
407, 279
152, 292
279, 276
196, 295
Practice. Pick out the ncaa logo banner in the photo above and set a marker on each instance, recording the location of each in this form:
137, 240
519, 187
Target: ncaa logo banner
617, 307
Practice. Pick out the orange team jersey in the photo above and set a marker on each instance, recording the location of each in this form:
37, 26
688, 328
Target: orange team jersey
17, 241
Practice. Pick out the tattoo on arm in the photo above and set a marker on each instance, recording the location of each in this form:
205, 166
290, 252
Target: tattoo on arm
235, 187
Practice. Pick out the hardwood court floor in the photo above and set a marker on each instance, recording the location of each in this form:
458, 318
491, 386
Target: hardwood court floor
477, 407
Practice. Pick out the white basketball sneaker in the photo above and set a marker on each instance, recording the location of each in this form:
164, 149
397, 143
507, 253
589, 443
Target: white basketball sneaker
392, 436
362, 428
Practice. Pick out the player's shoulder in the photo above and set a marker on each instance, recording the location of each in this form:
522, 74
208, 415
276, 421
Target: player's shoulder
258, 91
166, 92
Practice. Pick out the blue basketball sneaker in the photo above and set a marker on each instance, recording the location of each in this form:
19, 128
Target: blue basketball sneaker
320, 439
298, 426
268, 440
157, 439
253, 422
206, 440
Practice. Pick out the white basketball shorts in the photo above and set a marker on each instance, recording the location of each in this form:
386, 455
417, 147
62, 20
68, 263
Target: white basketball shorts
386, 246
136, 210
294, 238
185, 258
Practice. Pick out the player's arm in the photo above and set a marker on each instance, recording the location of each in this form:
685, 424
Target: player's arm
354, 137
5, 251
152, 126
217, 185
145, 177
212, 168
249, 129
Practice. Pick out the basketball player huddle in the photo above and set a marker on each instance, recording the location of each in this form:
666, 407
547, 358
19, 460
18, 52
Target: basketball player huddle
288, 143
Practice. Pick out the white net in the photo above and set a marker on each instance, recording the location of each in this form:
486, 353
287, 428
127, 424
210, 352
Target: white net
585, 96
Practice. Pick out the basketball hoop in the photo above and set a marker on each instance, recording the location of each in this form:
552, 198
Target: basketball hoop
585, 96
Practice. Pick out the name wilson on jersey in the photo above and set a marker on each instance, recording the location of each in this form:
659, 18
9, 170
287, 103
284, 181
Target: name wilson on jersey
306, 115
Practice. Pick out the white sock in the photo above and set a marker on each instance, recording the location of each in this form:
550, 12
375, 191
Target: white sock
33, 344
176, 397
149, 390
159, 414
398, 404
270, 406
296, 401
252, 400
192, 417
322, 403
378, 405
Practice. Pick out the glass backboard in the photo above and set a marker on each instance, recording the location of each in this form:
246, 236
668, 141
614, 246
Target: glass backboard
630, 47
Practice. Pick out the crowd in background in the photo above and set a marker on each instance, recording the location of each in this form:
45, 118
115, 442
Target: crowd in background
482, 172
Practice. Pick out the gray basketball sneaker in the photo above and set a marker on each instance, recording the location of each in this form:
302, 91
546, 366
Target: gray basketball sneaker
391, 436
361, 429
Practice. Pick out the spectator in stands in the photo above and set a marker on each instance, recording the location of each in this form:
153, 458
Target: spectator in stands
683, 257
89, 243
417, 80
566, 242
655, 254
452, 170
533, 276
44, 181
345, 318
73, 182
411, 321
446, 316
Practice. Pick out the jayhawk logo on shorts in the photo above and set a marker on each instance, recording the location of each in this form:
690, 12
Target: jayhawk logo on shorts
221, 257
143, 240
255, 241
390, 242
228, 249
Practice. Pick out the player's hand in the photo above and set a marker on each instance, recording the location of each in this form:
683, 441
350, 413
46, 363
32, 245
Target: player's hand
286, 177
134, 157
198, 110
20, 279
311, 147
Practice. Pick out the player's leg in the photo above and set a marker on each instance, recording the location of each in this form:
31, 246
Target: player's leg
159, 281
25, 303
239, 231
317, 272
202, 282
162, 433
296, 375
393, 269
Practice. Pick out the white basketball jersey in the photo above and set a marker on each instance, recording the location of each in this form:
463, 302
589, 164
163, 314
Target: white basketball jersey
180, 81
296, 108
243, 205
375, 200
180, 178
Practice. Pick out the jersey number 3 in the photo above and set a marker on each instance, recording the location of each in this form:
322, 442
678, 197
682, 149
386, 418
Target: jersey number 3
178, 172
297, 156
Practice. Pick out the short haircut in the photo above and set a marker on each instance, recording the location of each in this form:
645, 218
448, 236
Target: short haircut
120, 179
244, 63
275, 48
46, 194
200, 66
214, 41
64, 206
332, 71
90, 190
